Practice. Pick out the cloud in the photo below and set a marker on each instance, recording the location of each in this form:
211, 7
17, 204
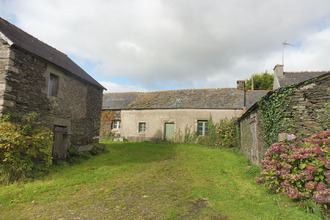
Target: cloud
181, 44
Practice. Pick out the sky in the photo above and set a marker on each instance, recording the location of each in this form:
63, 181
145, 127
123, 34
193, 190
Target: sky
154, 45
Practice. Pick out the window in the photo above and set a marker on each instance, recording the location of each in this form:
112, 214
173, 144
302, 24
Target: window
142, 127
53, 85
202, 127
116, 124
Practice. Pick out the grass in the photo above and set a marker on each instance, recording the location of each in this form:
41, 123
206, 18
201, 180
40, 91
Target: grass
149, 181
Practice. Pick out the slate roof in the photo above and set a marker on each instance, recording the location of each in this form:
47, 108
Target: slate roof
176, 99
322, 76
290, 78
118, 101
31, 44
252, 96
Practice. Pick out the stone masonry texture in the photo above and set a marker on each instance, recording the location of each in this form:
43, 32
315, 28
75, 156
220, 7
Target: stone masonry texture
304, 116
24, 81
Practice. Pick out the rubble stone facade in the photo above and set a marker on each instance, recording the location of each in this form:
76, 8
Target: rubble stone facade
307, 114
72, 111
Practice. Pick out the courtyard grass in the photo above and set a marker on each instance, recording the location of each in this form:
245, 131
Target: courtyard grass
149, 181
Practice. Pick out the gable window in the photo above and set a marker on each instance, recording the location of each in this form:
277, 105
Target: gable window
202, 128
116, 124
53, 85
142, 127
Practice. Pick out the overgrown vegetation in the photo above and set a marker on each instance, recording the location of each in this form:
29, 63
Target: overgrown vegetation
190, 136
25, 147
272, 109
222, 134
150, 181
107, 117
263, 81
300, 169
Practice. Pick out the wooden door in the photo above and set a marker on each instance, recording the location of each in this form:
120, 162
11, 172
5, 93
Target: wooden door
169, 131
59, 147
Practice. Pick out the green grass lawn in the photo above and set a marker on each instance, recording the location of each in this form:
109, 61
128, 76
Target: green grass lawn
149, 181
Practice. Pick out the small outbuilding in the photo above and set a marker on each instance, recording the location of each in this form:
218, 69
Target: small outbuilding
35, 77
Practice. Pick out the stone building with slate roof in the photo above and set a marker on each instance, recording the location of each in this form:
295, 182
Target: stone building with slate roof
35, 77
168, 115
307, 111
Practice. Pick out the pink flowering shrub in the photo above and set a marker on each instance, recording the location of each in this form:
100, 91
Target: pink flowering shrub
300, 169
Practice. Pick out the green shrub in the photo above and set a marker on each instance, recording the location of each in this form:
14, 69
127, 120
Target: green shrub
190, 136
109, 136
97, 149
25, 148
224, 133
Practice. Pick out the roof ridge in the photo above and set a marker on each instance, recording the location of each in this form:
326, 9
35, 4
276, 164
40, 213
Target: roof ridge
173, 90
321, 71
31, 36
122, 93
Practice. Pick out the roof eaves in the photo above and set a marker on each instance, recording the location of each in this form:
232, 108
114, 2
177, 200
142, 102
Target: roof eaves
5, 38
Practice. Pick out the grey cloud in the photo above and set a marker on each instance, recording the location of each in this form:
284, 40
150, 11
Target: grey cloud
182, 43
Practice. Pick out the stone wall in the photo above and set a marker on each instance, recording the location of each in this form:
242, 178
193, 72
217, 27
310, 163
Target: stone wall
252, 141
75, 109
307, 109
6, 61
24, 83
303, 117
106, 127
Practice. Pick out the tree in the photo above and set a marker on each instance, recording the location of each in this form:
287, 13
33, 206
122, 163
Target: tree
262, 81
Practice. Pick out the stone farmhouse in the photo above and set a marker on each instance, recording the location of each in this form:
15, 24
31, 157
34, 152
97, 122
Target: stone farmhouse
169, 115
306, 114
34, 77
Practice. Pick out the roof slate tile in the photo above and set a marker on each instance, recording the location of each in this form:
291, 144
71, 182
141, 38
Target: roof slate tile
176, 99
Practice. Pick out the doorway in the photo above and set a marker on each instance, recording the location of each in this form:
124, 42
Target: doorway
60, 142
169, 131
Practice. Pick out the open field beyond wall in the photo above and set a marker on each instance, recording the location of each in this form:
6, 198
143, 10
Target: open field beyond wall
149, 181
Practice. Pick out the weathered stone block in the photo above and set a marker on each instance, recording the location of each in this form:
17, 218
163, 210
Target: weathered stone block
84, 148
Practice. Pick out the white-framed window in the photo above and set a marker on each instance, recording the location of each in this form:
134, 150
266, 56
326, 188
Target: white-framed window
53, 85
202, 128
142, 127
116, 124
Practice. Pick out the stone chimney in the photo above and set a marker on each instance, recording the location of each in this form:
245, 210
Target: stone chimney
278, 70
240, 85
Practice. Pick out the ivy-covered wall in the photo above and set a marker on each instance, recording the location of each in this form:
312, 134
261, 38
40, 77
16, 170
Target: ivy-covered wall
302, 109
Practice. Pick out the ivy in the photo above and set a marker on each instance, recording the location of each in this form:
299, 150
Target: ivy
272, 109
